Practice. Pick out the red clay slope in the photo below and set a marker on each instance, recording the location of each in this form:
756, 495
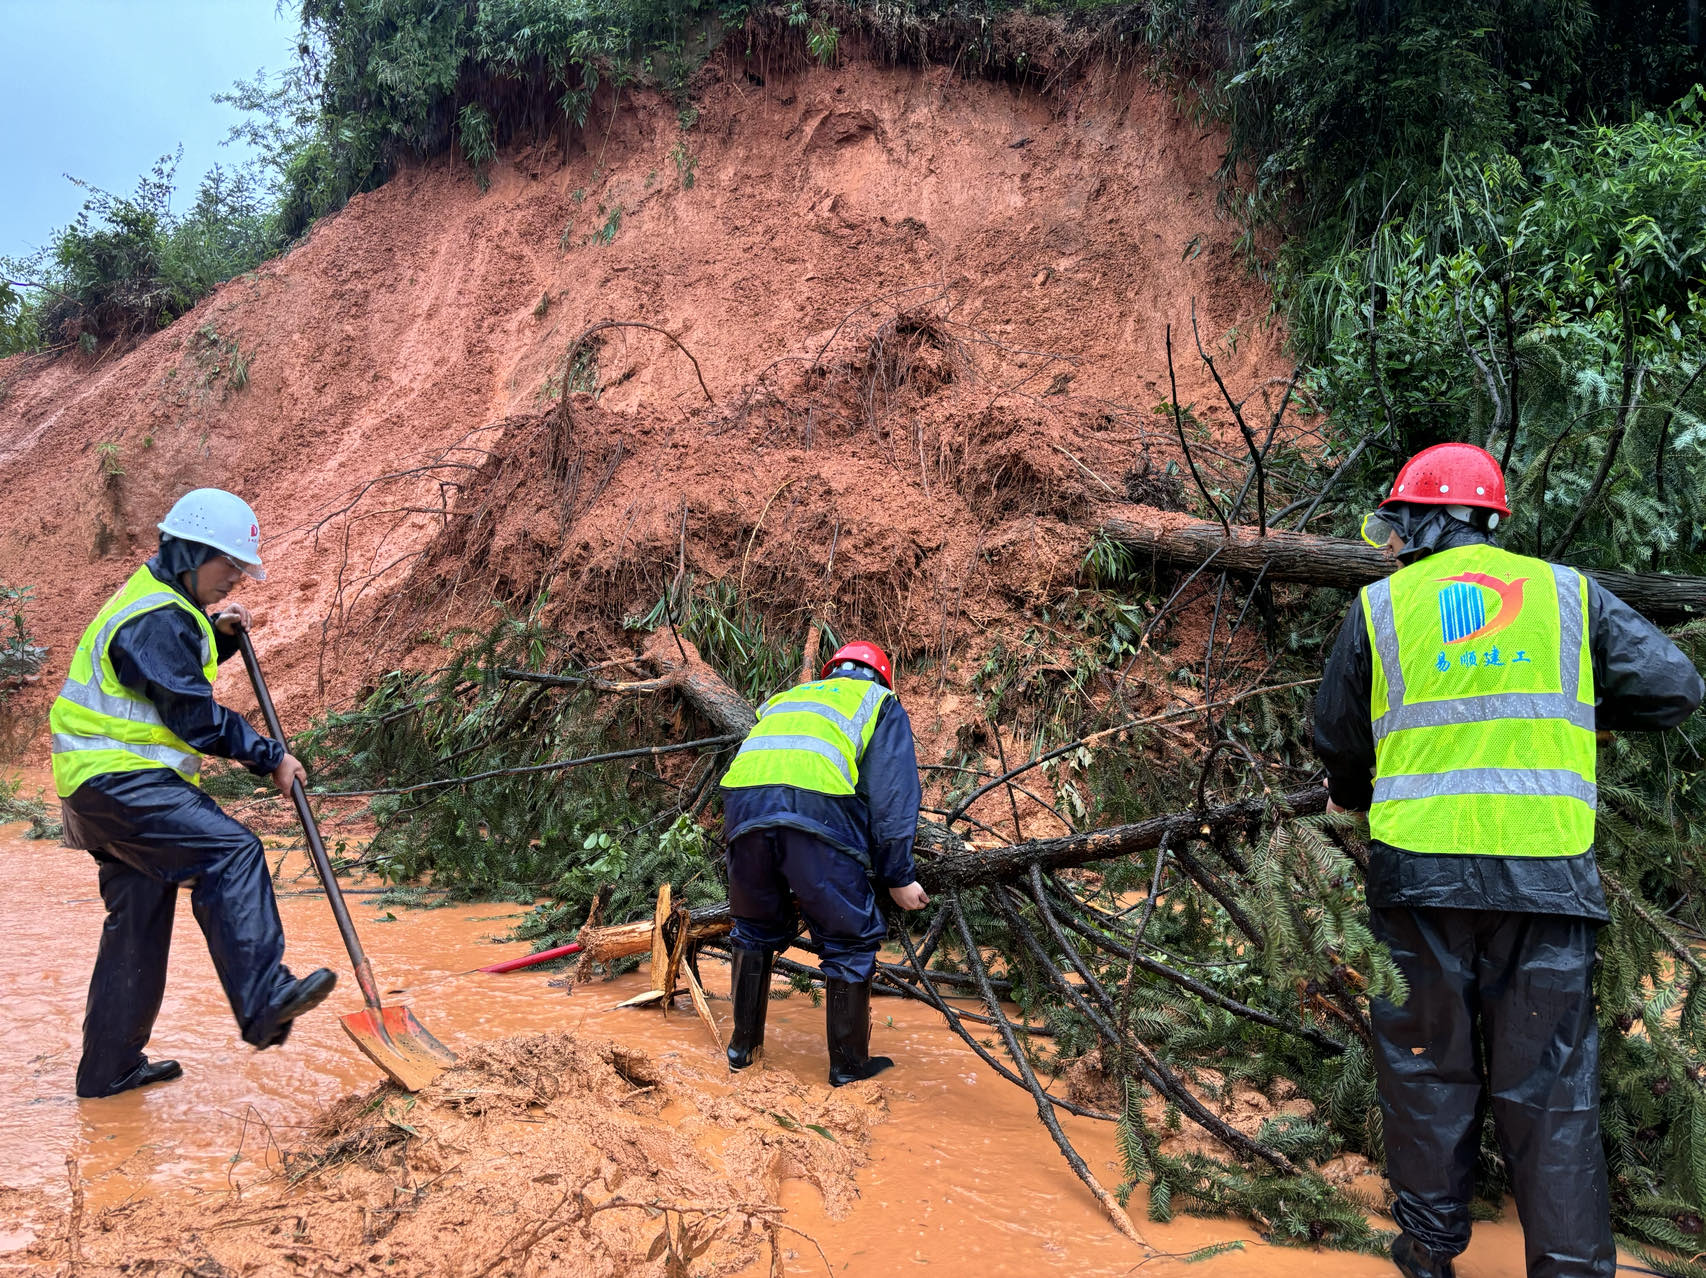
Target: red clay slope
1078, 226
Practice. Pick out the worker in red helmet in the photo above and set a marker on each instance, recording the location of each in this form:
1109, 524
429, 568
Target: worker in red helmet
822, 798
1459, 709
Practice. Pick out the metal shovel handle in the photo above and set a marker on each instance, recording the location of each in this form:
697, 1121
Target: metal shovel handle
316, 849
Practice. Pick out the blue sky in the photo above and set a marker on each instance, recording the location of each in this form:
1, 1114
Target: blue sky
100, 89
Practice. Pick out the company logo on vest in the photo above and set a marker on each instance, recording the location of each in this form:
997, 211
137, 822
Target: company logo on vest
1463, 608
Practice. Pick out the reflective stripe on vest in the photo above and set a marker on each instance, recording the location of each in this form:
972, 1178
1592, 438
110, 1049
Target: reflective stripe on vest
811, 737
101, 726
1482, 706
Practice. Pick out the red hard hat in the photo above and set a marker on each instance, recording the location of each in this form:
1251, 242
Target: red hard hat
866, 654
1451, 475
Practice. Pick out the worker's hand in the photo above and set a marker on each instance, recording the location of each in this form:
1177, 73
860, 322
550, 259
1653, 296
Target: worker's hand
233, 618
910, 897
289, 769
1334, 807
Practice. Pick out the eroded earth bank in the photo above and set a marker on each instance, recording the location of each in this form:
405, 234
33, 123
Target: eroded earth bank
926, 319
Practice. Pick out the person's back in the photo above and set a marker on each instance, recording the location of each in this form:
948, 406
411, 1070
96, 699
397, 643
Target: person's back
1482, 706
823, 794
1459, 709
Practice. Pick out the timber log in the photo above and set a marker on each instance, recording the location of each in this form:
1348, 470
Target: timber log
1663, 598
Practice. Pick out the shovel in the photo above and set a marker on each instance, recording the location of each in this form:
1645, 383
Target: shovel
391, 1037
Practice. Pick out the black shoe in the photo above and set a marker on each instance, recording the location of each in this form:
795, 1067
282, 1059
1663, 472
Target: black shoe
144, 1074
304, 996
847, 1017
749, 988
1416, 1261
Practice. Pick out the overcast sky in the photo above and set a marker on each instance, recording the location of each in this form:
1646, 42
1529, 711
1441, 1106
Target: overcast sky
100, 89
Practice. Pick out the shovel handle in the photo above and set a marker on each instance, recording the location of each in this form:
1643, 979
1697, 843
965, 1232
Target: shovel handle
316, 849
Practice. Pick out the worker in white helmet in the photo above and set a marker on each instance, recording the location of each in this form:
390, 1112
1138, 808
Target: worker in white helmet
129, 729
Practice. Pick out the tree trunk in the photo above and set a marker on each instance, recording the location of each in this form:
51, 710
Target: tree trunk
1338, 561
682, 669
961, 869
1000, 865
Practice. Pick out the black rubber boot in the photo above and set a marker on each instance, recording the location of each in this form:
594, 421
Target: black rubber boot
1416, 1261
847, 1016
303, 996
749, 988
144, 1074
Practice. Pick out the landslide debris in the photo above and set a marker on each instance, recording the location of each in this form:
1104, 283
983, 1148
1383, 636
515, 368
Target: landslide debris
550, 1154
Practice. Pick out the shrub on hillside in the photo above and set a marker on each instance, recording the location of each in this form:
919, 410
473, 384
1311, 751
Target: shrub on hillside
129, 265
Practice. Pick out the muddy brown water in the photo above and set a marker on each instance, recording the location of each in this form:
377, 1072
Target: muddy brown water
963, 1178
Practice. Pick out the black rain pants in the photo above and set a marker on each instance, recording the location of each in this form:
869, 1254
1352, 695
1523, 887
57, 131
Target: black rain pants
158, 833
778, 875
1500, 1016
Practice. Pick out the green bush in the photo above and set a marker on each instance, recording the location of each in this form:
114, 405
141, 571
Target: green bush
18, 330
128, 265
1555, 312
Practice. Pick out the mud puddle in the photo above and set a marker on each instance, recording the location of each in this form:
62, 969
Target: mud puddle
961, 1176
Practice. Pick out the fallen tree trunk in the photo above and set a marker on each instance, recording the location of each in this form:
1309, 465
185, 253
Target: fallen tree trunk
1339, 561
680, 669
957, 868
1002, 865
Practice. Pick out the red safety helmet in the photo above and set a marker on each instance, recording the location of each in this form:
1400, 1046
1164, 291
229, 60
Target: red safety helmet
1451, 475
866, 654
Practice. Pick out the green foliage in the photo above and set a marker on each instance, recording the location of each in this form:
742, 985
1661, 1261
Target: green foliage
474, 133
1306, 896
15, 807
128, 265
822, 39
606, 233
1303, 1210
731, 634
109, 460
18, 329
624, 826
1570, 287
686, 163
1132, 1135
1344, 113
1315, 108
581, 377
20, 655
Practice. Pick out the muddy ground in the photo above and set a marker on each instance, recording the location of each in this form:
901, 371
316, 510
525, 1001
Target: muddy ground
294, 1162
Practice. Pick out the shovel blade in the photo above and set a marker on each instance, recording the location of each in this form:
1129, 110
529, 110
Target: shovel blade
400, 1045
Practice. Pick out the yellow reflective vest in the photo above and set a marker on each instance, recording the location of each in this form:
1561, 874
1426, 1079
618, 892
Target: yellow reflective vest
101, 726
811, 737
1482, 705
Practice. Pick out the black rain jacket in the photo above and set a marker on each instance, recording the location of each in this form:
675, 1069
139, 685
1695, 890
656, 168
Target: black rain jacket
1642, 682
158, 655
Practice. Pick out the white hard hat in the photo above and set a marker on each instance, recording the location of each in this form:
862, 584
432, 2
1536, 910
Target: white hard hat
219, 519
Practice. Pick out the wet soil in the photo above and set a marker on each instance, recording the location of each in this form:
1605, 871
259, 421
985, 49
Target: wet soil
937, 1163
983, 275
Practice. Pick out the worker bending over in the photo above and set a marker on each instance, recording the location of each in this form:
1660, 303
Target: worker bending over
1459, 709
129, 728
823, 794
